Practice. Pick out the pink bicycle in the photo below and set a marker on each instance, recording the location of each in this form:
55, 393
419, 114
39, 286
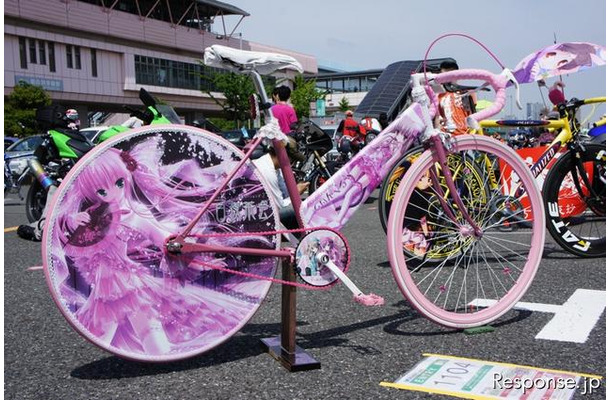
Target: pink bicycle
163, 242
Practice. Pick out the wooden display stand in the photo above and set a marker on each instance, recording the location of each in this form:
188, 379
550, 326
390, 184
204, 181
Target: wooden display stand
283, 348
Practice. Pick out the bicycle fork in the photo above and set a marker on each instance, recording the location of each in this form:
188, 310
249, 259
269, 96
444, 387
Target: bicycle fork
579, 168
440, 148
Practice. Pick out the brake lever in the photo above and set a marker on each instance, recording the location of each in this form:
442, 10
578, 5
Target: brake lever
508, 74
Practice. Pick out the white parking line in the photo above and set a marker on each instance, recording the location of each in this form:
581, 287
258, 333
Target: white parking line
573, 321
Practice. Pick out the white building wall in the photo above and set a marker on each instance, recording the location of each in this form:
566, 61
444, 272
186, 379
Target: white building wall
117, 37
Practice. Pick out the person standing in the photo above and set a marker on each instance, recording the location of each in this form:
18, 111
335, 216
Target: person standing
281, 110
287, 119
352, 130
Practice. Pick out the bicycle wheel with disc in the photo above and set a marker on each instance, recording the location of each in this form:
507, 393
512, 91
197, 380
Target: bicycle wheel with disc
489, 270
104, 255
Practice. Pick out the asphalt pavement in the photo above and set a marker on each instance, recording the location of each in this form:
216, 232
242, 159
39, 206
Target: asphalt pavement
357, 347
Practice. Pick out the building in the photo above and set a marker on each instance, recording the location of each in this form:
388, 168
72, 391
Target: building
372, 92
535, 110
94, 55
353, 86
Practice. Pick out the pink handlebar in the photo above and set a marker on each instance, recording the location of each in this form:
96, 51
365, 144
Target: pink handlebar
497, 82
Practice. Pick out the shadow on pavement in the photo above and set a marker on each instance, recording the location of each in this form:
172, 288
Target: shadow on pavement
394, 328
242, 345
247, 344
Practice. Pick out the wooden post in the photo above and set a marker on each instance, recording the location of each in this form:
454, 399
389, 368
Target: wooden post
283, 348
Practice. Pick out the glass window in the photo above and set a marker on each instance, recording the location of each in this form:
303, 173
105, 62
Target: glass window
51, 46
337, 85
32, 50
167, 73
367, 83
352, 84
22, 53
27, 144
322, 84
94, 62
77, 64
69, 56
42, 53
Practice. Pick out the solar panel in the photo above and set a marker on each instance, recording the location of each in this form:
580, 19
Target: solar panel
390, 93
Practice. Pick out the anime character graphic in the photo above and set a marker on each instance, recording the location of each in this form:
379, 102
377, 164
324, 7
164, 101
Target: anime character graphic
308, 264
559, 59
414, 239
360, 177
308, 267
110, 266
347, 188
416, 230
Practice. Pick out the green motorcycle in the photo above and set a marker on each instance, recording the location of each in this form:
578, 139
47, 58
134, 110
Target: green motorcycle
62, 147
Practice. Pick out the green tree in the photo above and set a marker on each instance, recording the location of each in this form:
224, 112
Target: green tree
343, 104
222, 123
304, 93
20, 109
236, 89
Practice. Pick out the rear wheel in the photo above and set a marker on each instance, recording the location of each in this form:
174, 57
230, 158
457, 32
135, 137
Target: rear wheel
576, 215
104, 253
487, 271
35, 201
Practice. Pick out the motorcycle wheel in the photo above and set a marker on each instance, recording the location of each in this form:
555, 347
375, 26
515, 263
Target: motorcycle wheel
35, 201
319, 176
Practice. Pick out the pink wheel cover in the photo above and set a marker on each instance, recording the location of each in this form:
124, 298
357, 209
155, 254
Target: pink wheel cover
110, 277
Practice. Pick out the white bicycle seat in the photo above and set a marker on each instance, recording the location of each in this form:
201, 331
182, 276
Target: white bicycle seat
243, 60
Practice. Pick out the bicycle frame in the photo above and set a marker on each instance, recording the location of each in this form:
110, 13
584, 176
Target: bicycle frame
566, 134
338, 198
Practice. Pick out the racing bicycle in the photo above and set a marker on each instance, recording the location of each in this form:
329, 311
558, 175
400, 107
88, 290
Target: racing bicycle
163, 241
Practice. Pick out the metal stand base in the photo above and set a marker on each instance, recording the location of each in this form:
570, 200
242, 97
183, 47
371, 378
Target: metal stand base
283, 348
299, 360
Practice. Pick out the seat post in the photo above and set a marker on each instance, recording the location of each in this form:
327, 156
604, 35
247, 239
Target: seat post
260, 89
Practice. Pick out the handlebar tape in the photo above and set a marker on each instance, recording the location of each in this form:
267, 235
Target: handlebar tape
433, 107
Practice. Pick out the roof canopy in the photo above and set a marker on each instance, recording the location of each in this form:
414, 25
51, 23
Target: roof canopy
212, 8
192, 13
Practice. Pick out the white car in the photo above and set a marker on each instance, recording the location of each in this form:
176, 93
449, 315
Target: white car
19, 152
93, 132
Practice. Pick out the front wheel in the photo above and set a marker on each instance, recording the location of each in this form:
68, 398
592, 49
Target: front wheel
467, 173
104, 250
490, 268
35, 201
575, 199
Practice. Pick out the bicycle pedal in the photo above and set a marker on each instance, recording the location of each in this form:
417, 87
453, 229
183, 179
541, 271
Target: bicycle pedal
369, 300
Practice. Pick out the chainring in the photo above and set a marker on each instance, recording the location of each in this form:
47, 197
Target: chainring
309, 269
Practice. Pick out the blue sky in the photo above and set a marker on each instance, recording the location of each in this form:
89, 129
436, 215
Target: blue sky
364, 35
